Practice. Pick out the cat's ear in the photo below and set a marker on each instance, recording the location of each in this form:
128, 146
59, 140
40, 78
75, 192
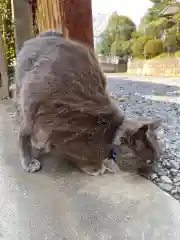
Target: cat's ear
141, 131
155, 123
151, 125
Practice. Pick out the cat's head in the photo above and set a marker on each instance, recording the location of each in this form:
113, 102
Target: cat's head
137, 145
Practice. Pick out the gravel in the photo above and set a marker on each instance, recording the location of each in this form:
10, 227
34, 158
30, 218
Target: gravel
149, 99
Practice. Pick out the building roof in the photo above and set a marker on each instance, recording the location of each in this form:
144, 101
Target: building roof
171, 9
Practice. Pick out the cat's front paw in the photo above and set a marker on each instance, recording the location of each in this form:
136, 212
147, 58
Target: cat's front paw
111, 166
32, 166
94, 172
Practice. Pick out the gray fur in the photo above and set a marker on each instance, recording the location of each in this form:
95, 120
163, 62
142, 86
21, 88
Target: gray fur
64, 106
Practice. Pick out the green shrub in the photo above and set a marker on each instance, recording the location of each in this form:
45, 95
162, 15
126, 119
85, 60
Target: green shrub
138, 46
153, 48
121, 48
164, 55
177, 54
7, 28
170, 41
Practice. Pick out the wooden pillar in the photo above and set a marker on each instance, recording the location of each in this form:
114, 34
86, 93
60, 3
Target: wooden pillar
78, 20
22, 17
4, 88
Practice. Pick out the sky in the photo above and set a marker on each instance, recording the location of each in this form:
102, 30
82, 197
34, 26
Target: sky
135, 9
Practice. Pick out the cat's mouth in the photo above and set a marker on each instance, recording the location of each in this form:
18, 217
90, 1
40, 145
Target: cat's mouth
146, 169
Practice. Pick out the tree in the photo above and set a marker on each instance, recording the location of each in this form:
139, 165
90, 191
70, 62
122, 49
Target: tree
23, 23
122, 48
153, 48
152, 14
7, 45
6, 25
172, 40
3, 69
138, 46
162, 28
118, 30
156, 27
120, 27
104, 47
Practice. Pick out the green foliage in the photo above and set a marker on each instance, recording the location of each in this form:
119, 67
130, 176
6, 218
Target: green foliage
127, 48
172, 40
163, 55
120, 27
6, 26
122, 48
153, 48
118, 31
116, 48
176, 18
153, 14
155, 34
138, 46
158, 27
156, 1
177, 54
121, 38
104, 47
136, 35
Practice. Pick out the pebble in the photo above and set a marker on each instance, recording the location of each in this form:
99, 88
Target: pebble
157, 180
154, 176
176, 179
177, 196
174, 164
162, 172
165, 179
174, 191
173, 171
178, 190
165, 186
177, 184
167, 165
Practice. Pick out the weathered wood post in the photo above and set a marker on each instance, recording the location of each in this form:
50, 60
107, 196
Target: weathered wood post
4, 85
73, 17
77, 18
22, 18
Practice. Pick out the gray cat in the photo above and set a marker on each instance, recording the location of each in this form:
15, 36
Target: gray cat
64, 106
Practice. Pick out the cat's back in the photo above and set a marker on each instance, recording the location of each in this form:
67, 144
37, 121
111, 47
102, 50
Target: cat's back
54, 59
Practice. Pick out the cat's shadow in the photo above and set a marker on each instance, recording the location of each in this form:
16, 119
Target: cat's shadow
55, 164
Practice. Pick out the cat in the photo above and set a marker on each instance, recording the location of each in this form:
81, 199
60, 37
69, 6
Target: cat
63, 105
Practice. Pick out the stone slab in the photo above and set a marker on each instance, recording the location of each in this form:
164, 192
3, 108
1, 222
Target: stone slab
61, 203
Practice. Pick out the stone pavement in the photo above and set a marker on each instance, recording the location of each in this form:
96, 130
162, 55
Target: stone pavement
60, 203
